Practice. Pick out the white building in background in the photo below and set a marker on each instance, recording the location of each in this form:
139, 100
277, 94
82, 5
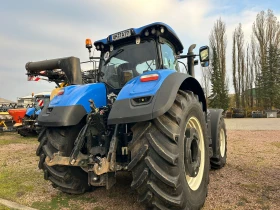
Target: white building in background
5, 101
30, 99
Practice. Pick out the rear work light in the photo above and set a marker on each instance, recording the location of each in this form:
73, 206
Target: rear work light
149, 77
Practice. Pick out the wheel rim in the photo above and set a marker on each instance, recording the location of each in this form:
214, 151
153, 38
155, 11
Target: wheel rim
194, 182
222, 142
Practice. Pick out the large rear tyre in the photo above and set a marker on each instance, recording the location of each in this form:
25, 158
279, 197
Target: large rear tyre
219, 145
72, 180
170, 157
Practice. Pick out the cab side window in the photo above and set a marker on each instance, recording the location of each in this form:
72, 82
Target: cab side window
169, 57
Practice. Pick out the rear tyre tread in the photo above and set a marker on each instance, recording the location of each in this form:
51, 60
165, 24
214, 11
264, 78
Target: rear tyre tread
172, 181
172, 200
137, 183
161, 150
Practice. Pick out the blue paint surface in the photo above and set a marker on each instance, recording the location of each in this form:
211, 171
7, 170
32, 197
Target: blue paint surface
135, 88
38, 112
30, 111
80, 95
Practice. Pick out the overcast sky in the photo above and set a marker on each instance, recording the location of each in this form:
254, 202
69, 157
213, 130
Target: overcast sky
38, 30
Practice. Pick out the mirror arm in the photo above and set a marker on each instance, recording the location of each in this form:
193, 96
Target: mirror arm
185, 56
184, 65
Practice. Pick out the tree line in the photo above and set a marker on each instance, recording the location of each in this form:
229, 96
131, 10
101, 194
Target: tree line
255, 65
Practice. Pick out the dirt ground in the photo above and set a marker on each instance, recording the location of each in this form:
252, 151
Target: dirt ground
250, 180
253, 124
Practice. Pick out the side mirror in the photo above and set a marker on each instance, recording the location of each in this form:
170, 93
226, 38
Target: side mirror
204, 56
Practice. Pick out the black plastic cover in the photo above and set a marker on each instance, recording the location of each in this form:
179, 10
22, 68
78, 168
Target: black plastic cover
61, 115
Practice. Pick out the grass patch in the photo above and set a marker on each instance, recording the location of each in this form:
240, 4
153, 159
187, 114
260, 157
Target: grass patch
250, 186
14, 184
276, 144
63, 201
2, 207
98, 208
16, 139
244, 199
240, 203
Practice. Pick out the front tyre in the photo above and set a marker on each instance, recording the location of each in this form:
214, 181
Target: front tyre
170, 157
219, 145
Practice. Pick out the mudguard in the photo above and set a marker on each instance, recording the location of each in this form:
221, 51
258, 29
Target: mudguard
30, 111
70, 107
142, 101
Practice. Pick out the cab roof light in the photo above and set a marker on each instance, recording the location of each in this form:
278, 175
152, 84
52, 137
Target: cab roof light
149, 77
88, 43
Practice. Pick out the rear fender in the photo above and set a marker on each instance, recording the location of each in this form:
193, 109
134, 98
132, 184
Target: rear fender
160, 95
70, 108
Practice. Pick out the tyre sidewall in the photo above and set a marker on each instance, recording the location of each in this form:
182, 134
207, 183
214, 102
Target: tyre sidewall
195, 198
221, 125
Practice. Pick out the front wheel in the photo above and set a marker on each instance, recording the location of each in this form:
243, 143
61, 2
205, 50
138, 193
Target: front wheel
170, 157
219, 144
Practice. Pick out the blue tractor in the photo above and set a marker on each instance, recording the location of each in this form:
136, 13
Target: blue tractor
140, 114
29, 126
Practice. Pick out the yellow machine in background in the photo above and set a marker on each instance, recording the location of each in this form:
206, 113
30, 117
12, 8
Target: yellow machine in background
4, 117
56, 90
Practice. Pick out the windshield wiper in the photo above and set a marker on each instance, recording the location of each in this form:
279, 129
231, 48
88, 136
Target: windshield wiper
113, 55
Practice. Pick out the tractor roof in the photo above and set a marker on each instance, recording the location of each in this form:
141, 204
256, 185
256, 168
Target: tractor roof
168, 34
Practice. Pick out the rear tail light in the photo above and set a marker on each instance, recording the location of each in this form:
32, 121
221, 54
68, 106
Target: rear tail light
60, 92
149, 77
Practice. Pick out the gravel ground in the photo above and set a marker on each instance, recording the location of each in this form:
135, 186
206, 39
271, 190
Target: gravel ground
250, 180
253, 124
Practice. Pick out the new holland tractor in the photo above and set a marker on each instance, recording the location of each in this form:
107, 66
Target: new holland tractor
140, 115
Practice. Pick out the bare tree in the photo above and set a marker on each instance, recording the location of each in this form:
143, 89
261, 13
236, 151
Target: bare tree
238, 65
218, 40
242, 68
218, 43
266, 33
206, 81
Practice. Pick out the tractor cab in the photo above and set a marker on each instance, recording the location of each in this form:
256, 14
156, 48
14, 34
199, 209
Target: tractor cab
135, 51
41, 100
